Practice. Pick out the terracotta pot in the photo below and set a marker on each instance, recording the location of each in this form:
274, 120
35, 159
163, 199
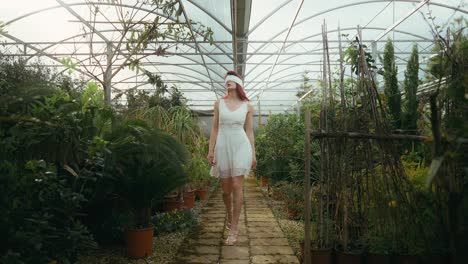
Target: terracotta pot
139, 242
264, 181
319, 256
277, 195
406, 259
439, 260
189, 199
348, 258
378, 259
292, 213
172, 203
201, 193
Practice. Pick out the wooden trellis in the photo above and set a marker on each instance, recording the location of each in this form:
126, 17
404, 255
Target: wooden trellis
355, 139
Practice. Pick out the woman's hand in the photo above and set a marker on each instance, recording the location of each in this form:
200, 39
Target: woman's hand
254, 162
210, 158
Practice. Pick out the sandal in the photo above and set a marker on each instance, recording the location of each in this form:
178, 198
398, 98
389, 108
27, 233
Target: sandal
231, 239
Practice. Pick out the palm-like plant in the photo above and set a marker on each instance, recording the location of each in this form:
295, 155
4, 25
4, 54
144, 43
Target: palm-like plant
147, 164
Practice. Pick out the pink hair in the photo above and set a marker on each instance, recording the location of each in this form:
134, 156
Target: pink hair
239, 89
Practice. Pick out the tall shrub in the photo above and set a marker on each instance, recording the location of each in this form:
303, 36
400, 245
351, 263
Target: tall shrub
391, 84
411, 82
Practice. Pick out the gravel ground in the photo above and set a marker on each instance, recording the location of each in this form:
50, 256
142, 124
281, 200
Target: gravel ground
165, 247
291, 228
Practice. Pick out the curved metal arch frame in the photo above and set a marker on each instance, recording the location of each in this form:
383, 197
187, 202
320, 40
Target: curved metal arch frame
110, 4
354, 4
211, 15
162, 72
276, 85
343, 29
282, 77
83, 34
318, 34
197, 84
169, 73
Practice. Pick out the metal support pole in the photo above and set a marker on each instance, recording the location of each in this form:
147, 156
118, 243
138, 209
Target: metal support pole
108, 75
307, 189
259, 112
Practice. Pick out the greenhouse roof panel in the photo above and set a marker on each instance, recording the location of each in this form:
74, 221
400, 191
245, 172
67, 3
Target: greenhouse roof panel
252, 36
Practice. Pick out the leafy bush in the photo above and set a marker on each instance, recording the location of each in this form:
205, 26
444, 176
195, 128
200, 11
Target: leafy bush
174, 221
280, 148
293, 196
58, 121
147, 164
39, 219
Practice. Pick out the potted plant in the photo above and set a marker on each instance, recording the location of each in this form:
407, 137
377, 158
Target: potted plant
293, 196
173, 201
189, 196
199, 170
379, 247
319, 254
147, 164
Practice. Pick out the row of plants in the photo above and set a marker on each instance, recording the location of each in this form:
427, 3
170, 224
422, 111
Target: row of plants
75, 173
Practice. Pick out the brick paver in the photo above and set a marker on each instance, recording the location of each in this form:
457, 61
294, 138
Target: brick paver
260, 239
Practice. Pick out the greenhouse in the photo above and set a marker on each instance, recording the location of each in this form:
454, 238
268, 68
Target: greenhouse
234, 131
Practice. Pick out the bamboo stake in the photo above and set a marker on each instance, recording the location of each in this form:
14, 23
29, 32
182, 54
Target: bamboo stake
344, 177
327, 85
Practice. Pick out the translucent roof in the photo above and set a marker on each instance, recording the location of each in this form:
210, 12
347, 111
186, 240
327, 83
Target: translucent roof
254, 36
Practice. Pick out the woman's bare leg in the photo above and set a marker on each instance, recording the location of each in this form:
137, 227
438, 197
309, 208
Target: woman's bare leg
238, 200
226, 184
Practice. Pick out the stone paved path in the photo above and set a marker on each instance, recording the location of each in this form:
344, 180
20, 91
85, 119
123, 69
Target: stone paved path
260, 239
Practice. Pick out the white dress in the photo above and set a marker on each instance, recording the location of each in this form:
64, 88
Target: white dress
233, 151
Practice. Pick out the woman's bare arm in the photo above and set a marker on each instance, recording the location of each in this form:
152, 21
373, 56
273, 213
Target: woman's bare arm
248, 126
214, 133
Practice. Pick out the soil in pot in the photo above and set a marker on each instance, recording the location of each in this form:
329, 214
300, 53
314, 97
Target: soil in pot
292, 213
406, 259
319, 256
438, 259
139, 242
264, 181
172, 203
348, 258
189, 199
378, 259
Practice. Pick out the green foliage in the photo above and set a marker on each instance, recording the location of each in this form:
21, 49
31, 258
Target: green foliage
40, 214
410, 105
69, 64
280, 149
449, 103
161, 29
352, 54
49, 117
276, 154
147, 164
174, 221
198, 168
41, 119
305, 87
293, 196
392, 93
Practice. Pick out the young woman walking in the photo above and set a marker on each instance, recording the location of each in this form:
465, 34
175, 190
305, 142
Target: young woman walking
232, 150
